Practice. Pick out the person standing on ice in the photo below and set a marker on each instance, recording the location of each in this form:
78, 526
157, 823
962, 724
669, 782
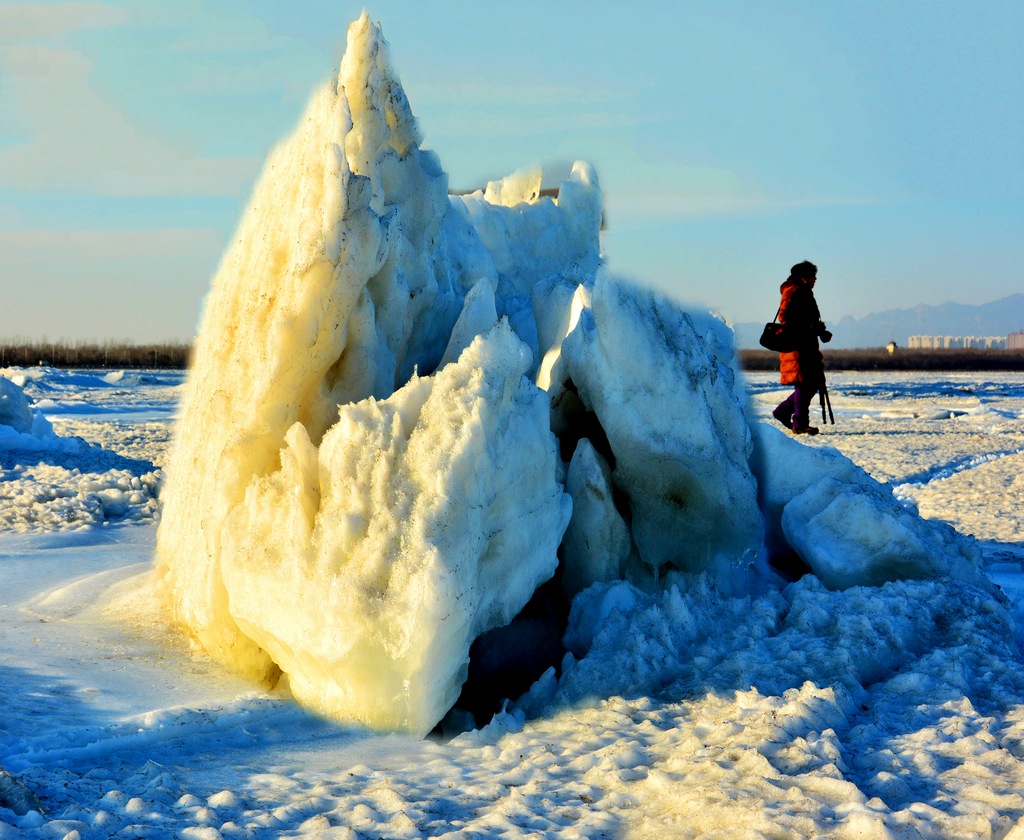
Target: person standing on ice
803, 368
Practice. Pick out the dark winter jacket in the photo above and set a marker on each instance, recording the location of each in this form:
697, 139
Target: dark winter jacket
799, 313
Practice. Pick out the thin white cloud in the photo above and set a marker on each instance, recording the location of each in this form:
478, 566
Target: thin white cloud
19, 249
503, 125
498, 97
78, 141
225, 50
29, 22
633, 208
500, 113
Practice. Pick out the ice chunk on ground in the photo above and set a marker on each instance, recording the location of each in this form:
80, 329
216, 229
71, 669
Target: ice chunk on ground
848, 528
15, 797
422, 521
784, 469
665, 390
15, 410
597, 542
18, 418
859, 535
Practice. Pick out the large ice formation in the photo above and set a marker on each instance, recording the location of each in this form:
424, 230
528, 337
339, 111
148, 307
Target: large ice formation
407, 409
361, 549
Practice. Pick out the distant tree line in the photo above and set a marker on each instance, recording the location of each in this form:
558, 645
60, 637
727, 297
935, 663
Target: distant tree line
880, 359
108, 354
111, 354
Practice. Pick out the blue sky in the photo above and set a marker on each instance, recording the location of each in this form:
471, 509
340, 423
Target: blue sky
883, 141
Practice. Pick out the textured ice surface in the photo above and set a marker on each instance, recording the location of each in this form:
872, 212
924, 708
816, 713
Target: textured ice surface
665, 389
847, 527
349, 272
420, 522
68, 474
893, 710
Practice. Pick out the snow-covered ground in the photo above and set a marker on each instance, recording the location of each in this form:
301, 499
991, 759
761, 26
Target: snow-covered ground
871, 712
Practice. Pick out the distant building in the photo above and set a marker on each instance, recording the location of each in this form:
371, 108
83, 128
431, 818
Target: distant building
1015, 340
991, 342
958, 342
890, 348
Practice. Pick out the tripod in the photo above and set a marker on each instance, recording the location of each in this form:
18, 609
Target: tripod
825, 402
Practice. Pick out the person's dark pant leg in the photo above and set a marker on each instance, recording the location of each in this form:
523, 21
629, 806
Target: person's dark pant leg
803, 393
784, 411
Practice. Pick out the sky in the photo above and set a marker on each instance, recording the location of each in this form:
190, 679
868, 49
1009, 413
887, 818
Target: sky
882, 141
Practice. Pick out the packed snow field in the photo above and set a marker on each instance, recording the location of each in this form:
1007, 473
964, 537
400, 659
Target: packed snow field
436, 472
890, 711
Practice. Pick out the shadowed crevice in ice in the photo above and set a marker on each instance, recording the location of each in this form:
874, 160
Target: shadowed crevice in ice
661, 386
506, 661
576, 422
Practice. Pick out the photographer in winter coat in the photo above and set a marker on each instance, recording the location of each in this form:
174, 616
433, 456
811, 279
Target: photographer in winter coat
803, 368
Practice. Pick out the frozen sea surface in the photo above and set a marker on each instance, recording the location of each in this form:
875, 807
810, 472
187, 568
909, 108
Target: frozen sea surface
114, 428
896, 711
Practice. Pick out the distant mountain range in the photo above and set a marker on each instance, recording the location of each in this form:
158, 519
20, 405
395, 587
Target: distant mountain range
879, 328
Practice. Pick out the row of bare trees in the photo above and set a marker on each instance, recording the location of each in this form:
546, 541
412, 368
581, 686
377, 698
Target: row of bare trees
901, 359
109, 354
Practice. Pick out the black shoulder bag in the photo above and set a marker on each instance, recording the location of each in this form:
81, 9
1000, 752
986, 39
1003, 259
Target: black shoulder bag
776, 337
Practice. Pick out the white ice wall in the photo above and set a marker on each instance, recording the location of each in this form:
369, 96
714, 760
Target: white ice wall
15, 409
348, 271
664, 386
366, 566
